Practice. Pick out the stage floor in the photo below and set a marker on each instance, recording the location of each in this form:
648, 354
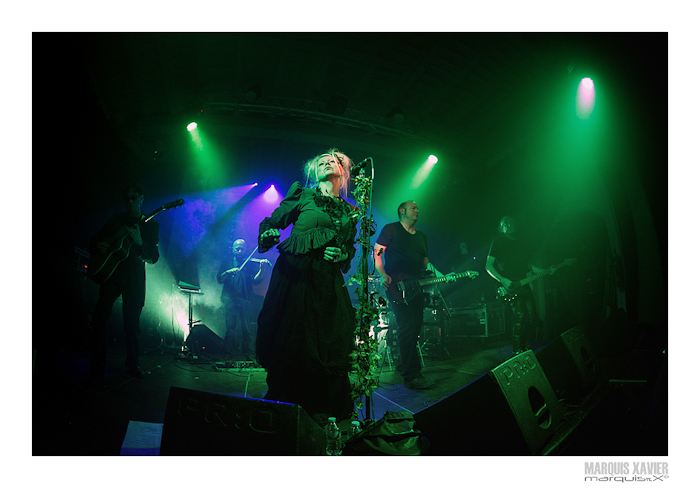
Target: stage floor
71, 417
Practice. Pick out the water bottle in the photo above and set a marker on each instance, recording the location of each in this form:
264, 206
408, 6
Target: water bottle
354, 429
333, 446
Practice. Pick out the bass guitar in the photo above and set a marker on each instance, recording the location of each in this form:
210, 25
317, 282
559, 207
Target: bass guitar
509, 294
102, 265
404, 289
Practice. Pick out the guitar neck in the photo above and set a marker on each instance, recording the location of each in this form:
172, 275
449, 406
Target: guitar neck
153, 214
532, 278
431, 281
167, 206
539, 275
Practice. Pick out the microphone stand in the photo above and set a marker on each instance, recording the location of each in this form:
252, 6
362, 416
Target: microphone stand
367, 312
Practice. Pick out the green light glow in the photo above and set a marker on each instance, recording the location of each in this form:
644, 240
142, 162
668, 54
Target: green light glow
423, 172
207, 164
196, 137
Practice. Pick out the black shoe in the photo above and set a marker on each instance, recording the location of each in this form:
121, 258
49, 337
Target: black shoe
136, 372
419, 382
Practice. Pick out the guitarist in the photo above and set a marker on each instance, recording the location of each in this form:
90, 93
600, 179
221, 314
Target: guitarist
127, 281
507, 262
405, 252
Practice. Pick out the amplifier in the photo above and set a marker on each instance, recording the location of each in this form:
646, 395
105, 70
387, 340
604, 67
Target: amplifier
486, 319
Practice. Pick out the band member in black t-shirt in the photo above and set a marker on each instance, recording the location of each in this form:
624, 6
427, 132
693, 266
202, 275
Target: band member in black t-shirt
404, 250
508, 262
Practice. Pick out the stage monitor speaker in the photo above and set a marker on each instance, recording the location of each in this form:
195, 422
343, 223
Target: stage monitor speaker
213, 424
203, 340
569, 362
511, 410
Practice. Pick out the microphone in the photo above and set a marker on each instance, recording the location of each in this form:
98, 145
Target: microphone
359, 167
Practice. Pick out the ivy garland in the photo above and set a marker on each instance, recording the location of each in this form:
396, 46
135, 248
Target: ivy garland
365, 358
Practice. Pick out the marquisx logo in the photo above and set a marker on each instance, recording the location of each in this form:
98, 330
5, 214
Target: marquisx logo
626, 471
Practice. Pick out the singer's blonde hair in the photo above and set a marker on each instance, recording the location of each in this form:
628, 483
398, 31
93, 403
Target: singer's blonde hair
311, 169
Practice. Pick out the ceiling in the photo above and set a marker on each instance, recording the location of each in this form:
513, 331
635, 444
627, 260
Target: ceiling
480, 101
457, 91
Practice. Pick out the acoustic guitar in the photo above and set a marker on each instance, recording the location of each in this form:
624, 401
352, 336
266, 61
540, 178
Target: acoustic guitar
102, 265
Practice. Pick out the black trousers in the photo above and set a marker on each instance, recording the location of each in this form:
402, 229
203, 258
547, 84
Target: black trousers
409, 322
525, 319
237, 312
132, 304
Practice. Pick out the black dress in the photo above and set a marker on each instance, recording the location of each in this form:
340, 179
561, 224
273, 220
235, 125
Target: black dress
306, 327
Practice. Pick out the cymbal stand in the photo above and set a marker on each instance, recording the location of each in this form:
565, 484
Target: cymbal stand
386, 356
419, 346
445, 320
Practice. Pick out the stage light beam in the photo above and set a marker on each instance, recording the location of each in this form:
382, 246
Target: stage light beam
423, 172
196, 137
271, 194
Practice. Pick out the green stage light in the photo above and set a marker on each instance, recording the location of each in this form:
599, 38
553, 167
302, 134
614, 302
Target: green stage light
196, 137
423, 172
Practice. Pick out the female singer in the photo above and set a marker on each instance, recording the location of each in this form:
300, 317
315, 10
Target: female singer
306, 326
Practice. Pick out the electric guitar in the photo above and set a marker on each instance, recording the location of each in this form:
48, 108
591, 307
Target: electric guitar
509, 294
102, 265
404, 289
